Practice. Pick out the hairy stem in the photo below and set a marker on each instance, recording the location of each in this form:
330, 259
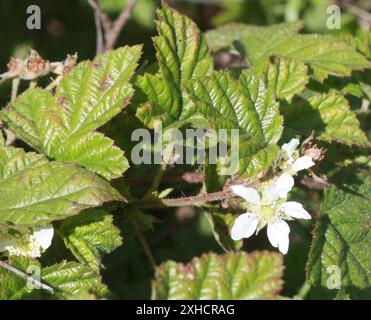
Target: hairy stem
186, 201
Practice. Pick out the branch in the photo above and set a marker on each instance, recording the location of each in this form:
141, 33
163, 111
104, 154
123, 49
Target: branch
186, 201
358, 12
25, 276
112, 35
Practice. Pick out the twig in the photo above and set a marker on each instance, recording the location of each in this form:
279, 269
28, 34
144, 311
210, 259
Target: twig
111, 30
186, 201
359, 12
98, 24
28, 278
118, 25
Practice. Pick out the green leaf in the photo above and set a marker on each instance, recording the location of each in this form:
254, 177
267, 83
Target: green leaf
66, 279
286, 77
342, 240
182, 54
34, 191
13, 287
63, 125
325, 54
239, 276
89, 235
72, 278
247, 106
329, 115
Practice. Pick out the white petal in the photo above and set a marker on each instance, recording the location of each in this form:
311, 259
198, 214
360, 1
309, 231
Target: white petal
44, 236
249, 194
295, 210
290, 147
302, 163
278, 235
244, 226
280, 187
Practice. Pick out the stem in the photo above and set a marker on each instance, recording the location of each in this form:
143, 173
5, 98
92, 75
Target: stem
118, 25
32, 84
357, 11
156, 180
15, 85
54, 83
145, 246
186, 201
28, 278
303, 292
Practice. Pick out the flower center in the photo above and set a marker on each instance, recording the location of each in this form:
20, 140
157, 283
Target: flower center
266, 212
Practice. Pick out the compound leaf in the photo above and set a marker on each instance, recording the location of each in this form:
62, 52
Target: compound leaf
89, 235
286, 77
246, 106
325, 54
35, 191
341, 247
63, 125
182, 54
329, 115
238, 275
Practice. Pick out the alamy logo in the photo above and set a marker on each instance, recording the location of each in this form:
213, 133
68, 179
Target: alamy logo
34, 20
334, 20
172, 147
334, 280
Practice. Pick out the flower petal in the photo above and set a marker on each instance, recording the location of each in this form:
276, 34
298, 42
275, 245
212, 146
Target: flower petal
290, 147
249, 194
302, 163
44, 236
280, 187
295, 210
278, 235
244, 226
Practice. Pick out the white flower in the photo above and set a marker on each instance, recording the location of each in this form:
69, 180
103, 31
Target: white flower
292, 163
28, 245
268, 207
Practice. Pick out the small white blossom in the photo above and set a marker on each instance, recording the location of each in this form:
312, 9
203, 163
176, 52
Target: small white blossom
268, 206
28, 245
290, 162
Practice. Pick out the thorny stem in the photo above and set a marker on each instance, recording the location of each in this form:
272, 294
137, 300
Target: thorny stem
28, 278
186, 201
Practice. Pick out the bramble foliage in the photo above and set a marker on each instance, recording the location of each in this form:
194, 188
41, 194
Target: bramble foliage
66, 164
